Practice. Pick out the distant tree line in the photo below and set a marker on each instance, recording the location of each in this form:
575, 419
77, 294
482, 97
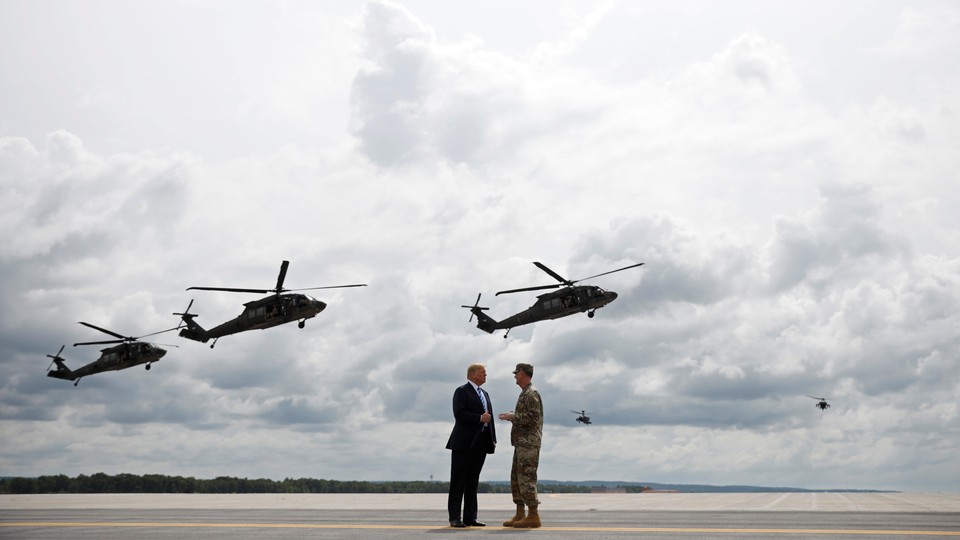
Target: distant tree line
158, 483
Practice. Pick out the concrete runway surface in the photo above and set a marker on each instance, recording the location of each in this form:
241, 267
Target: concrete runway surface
403, 516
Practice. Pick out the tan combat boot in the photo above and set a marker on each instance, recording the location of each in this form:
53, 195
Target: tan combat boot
519, 516
532, 521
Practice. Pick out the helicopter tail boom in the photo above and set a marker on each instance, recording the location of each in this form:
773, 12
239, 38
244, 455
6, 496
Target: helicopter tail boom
62, 371
485, 322
193, 330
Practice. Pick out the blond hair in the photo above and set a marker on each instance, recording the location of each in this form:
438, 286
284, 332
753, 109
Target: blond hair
472, 368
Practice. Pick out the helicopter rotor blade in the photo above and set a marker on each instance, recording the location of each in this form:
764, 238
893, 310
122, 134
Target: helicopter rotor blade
160, 332
109, 342
563, 282
282, 276
557, 286
815, 397
329, 287
229, 289
105, 331
610, 272
553, 274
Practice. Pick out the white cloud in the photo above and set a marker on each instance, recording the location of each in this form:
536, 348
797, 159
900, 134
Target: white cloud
922, 32
792, 247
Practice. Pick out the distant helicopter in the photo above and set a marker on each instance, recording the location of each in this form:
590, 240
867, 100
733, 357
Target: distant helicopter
130, 352
583, 418
267, 312
569, 300
822, 403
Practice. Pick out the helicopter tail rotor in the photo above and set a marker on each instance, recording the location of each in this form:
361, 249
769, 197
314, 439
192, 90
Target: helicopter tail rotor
62, 371
56, 359
193, 330
484, 322
186, 315
475, 308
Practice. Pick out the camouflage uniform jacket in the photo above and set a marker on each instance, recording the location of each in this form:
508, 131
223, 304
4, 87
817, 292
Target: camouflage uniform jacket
527, 419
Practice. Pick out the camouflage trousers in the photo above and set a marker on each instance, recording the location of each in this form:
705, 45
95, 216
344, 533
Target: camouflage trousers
523, 475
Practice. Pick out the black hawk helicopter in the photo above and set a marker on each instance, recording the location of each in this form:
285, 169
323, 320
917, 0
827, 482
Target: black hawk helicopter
569, 300
129, 352
276, 309
821, 403
583, 418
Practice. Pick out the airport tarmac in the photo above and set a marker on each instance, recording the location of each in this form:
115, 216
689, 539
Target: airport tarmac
400, 516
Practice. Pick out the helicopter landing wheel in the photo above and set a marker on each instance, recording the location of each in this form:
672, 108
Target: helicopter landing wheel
301, 324
590, 314
147, 367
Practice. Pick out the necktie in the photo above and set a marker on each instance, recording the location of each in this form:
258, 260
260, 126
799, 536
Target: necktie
483, 400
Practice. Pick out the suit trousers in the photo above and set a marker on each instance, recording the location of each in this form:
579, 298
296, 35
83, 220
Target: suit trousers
465, 467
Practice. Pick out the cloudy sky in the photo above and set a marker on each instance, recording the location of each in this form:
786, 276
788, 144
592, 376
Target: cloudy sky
787, 171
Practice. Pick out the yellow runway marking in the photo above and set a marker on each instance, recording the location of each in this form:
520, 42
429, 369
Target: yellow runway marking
357, 526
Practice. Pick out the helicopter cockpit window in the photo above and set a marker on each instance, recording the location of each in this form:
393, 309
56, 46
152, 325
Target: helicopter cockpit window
553, 303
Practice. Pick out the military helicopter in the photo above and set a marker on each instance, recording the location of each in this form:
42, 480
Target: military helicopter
273, 310
822, 403
569, 300
130, 352
583, 418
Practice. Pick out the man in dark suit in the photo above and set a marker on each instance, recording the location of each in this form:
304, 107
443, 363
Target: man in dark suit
473, 437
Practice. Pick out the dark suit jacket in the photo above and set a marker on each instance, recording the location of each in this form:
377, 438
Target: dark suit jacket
468, 433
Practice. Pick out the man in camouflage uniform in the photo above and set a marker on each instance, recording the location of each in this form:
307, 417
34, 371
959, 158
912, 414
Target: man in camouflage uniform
527, 420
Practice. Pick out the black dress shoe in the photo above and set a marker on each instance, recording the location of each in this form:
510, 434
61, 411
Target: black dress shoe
459, 524
475, 523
